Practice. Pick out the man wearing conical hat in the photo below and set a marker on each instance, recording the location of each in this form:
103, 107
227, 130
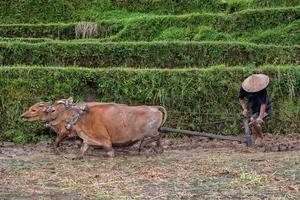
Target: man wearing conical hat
254, 90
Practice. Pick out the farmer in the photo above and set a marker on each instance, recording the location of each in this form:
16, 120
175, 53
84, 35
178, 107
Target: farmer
254, 89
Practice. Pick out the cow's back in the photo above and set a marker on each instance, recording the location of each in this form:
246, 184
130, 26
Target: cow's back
123, 123
130, 123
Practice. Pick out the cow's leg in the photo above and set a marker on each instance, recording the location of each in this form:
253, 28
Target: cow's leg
83, 149
58, 139
141, 143
145, 141
107, 145
156, 139
159, 148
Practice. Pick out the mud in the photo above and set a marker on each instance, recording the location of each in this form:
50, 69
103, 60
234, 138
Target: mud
190, 168
271, 143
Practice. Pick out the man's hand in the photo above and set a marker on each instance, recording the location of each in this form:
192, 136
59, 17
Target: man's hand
259, 120
245, 112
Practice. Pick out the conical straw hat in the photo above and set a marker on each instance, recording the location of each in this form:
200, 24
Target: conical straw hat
255, 83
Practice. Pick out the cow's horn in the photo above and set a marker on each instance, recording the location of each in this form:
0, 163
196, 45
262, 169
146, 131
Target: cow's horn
61, 102
70, 100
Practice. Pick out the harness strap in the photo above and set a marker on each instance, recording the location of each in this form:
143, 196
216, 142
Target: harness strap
71, 122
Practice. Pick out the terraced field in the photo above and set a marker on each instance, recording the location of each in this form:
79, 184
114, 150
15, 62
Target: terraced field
187, 55
231, 39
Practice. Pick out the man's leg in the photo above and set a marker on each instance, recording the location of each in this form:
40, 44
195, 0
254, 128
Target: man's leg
257, 130
259, 134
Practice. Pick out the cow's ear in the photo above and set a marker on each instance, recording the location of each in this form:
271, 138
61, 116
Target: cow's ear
43, 107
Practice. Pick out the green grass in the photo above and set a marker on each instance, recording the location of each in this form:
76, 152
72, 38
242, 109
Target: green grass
289, 35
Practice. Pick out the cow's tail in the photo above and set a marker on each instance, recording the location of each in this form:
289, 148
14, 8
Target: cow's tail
165, 115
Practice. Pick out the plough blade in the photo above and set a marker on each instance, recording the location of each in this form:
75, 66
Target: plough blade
248, 132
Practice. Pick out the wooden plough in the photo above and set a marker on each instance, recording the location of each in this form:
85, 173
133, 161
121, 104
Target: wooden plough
247, 140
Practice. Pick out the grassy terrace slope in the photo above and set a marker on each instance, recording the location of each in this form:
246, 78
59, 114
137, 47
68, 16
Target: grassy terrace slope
269, 26
253, 36
182, 91
194, 34
32, 11
145, 54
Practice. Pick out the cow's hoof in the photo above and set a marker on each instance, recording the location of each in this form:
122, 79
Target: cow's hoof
56, 152
111, 154
148, 152
139, 152
159, 150
77, 158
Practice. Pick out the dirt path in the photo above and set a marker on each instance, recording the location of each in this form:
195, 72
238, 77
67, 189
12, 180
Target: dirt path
190, 168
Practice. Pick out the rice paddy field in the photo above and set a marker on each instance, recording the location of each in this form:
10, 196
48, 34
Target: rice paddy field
188, 56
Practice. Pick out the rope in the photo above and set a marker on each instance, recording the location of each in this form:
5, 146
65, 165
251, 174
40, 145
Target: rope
74, 119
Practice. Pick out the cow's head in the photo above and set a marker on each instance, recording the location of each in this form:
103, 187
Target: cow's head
37, 112
59, 106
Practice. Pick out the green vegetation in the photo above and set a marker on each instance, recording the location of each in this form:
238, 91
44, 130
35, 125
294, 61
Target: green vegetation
267, 26
144, 54
54, 31
182, 90
288, 35
183, 36
32, 11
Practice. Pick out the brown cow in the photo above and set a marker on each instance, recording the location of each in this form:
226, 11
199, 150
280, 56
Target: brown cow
37, 112
108, 124
41, 111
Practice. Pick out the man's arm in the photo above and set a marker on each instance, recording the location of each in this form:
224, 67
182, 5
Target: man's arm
261, 113
243, 105
263, 106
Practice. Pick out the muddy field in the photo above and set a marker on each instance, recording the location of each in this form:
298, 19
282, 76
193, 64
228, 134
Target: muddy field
190, 168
